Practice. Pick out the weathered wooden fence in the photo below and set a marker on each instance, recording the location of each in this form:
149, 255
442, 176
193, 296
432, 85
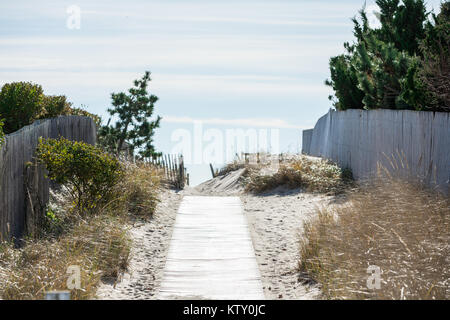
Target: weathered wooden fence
24, 190
363, 139
306, 140
174, 169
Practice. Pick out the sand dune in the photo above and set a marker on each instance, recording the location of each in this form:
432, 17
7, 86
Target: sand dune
275, 220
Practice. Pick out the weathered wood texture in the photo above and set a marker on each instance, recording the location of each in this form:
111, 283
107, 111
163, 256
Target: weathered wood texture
362, 139
306, 140
20, 200
211, 255
174, 169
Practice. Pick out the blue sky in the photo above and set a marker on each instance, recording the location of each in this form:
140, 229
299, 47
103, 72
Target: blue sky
232, 64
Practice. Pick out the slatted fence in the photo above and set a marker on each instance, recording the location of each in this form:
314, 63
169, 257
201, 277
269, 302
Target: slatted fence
364, 139
174, 169
24, 190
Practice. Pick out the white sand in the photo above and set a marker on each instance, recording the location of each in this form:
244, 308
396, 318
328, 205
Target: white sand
150, 245
226, 185
275, 220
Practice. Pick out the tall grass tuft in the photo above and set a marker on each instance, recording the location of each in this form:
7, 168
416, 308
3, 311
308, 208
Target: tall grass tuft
139, 188
311, 174
100, 248
396, 225
230, 167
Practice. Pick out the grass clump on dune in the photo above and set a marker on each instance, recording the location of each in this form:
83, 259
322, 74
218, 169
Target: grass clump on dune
395, 225
139, 188
312, 174
230, 167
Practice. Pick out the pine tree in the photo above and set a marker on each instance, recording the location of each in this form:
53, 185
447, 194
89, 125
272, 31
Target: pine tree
402, 24
344, 83
434, 71
134, 125
380, 68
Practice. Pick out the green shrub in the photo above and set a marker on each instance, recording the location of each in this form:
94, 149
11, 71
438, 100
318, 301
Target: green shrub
20, 104
53, 106
89, 173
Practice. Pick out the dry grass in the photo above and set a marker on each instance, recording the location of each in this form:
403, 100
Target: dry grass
101, 248
313, 175
253, 162
139, 188
395, 225
98, 243
232, 166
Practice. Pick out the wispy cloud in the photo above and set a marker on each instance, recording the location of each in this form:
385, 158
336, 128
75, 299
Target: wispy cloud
96, 53
243, 122
179, 84
320, 21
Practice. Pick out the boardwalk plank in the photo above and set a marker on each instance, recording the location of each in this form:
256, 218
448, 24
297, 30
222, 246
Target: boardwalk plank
211, 255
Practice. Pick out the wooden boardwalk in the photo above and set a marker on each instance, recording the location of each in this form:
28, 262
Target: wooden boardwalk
211, 255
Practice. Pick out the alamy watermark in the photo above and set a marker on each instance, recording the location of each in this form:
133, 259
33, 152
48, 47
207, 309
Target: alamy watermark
212, 145
374, 279
74, 279
73, 21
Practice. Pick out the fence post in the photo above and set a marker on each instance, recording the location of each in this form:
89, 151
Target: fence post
212, 170
181, 171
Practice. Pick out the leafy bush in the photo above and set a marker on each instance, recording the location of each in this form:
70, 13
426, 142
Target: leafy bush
20, 104
53, 106
90, 173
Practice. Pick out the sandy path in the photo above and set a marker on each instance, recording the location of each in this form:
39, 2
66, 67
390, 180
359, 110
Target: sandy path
150, 246
275, 222
211, 254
